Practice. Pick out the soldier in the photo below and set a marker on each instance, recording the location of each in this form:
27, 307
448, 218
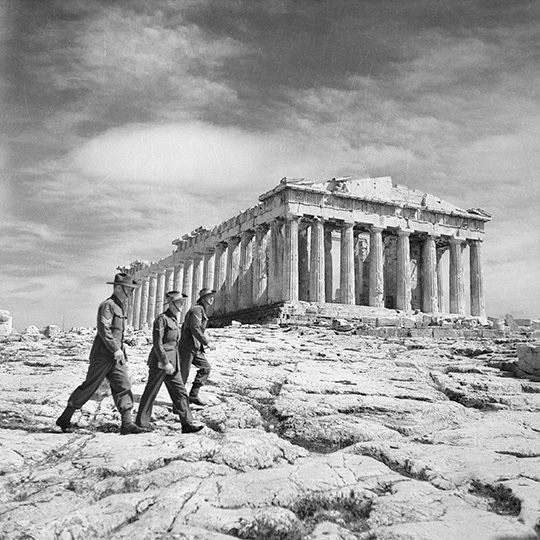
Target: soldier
108, 359
164, 366
193, 342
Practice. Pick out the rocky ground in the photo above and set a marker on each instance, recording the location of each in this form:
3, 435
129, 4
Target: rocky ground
310, 433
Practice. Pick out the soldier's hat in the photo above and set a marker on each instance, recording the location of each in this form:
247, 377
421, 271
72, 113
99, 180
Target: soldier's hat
174, 296
125, 280
206, 292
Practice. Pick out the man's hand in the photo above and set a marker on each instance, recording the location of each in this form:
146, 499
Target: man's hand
211, 346
119, 357
169, 370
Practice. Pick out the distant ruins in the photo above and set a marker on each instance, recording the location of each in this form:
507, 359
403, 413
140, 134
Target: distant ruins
313, 246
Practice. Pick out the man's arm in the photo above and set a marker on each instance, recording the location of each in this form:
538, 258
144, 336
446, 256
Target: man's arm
157, 342
196, 326
104, 327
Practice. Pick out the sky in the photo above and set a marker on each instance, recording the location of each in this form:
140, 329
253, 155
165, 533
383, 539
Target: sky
126, 124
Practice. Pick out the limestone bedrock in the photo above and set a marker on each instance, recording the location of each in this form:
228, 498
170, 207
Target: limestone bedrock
310, 433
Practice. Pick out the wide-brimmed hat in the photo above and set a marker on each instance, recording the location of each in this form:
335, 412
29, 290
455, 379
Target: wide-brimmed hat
206, 292
125, 280
174, 296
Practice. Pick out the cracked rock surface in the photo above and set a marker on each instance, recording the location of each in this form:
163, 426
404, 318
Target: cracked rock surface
310, 434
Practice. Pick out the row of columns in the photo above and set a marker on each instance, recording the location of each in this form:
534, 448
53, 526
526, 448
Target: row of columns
263, 266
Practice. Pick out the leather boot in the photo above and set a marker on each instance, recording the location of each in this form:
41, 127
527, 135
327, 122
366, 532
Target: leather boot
64, 420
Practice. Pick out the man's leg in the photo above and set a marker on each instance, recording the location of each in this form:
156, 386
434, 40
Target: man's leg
123, 398
155, 380
177, 391
201, 377
97, 371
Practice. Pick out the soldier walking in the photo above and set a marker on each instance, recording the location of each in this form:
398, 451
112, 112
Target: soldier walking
194, 342
108, 359
164, 367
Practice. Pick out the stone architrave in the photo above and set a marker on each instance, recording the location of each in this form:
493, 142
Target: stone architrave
260, 276
231, 279
208, 268
145, 293
478, 307
403, 299
197, 277
169, 279
290, 259
136, 308
220, 272
188, 283
160, 292
376, 269
328, 265
430, 295
178, 284
303, 261
245, 271
347, 264
316, 274
152, 299
457, 277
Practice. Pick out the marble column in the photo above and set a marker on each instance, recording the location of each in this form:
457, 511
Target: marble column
290, 259
457, 277
403, 300
439, 251
346, 282
245, 287
145, 293
160, 292
220, 271
188, 283
152, 299
260, 276
274, 262
430, 295
328, 266
208, 268
129, 310
478, 307
303, 262
169, 279
231, 279
178, 284
197, 277
316, 272
137, 307
376, 269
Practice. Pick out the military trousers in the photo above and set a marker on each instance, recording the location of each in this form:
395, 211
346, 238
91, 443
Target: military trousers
100, 368
199, 360
177, 391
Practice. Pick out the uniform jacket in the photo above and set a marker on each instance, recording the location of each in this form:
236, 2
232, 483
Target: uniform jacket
195, 322
111, 323
165, 337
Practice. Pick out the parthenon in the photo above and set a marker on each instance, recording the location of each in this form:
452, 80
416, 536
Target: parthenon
351, 242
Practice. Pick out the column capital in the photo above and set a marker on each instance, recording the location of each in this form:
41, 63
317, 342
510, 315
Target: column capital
376, 229
247, 234
404, 232
348, 224
233, 241
456, 240
261, 228
289, 216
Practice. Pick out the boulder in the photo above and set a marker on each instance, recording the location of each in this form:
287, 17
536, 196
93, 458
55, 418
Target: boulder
51, 330
528, 361
5, 323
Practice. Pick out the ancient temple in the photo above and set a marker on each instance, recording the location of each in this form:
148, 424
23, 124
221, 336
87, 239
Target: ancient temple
349, 242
